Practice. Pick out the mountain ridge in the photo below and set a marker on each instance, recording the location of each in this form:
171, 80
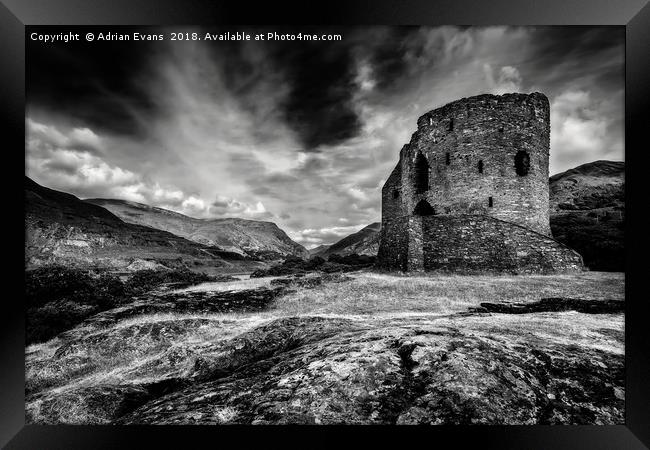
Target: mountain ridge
596, 185
62, 229
363, 242
253, 238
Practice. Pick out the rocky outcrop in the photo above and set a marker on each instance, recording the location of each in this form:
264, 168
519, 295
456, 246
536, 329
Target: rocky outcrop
252, 238
556, 304
325, 370
58, 298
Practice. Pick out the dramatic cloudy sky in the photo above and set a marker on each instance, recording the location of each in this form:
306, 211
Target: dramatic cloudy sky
301, 134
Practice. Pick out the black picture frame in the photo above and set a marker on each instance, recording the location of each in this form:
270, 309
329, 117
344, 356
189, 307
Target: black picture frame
634, 15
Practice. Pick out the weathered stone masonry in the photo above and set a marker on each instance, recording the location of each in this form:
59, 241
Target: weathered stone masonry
470, 191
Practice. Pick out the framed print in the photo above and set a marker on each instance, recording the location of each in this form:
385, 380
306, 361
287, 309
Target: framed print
243, 222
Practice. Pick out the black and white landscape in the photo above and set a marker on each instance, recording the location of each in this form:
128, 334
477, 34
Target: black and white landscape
203, 220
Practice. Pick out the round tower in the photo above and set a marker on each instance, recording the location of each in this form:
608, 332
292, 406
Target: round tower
484, 155
470, 192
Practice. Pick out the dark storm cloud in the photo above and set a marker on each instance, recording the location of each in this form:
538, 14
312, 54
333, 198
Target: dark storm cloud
98, 84
389, 53
556, 43
103, 84
319, 79
611, 77
319, 106
579, 52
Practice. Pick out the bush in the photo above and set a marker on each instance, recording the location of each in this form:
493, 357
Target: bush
146, 280
45, 322
58, 298
335, 263
353, 259
314, 262
601, 244
47, 284
333, 267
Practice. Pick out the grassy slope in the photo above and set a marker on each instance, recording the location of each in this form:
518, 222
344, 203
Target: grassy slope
363, 242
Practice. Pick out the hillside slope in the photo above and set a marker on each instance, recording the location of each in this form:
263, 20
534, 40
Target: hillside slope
262, 240
597, 186
319, 249
363, 242
62, 229
588, 212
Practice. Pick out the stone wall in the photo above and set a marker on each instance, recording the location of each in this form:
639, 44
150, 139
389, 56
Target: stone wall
471, 244
489, 130
393, 247
391, 196
467, 244
415, 244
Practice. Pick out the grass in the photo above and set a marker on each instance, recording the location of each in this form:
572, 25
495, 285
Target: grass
564, 328
377, 294
221, 286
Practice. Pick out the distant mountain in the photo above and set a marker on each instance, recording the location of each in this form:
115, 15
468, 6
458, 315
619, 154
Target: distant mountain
62, 229
587, 206
363, 242
316, 250
256, 239
594, 186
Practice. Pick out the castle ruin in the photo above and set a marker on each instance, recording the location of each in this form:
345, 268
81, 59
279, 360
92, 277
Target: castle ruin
470, 192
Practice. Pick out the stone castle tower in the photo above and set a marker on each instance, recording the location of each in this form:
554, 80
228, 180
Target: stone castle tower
470, 191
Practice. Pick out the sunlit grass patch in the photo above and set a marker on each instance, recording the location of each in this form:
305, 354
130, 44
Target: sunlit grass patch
372, 293
596, 331
238, 285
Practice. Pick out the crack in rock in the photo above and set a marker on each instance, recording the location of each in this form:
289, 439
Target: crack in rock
555, 304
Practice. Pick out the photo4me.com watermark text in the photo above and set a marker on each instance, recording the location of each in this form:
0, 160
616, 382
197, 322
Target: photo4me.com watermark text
181, 36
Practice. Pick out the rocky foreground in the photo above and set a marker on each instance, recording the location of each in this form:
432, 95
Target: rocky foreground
191, 356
